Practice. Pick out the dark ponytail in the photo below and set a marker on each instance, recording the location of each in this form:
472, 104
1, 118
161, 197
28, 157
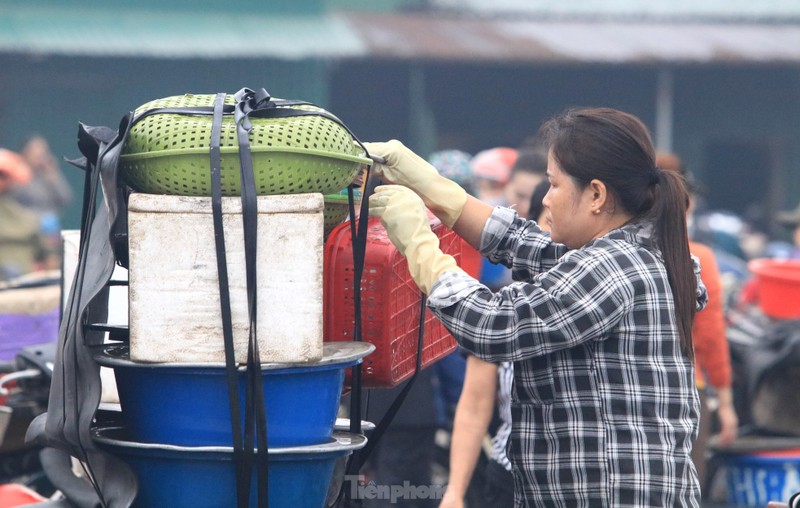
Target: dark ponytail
615, 148
670, 203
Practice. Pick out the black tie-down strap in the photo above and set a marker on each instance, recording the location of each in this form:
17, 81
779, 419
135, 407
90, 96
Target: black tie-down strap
249, 104
255, 411
241, 454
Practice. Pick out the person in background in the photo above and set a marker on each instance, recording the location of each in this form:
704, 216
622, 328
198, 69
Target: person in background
491, 170
528, 172
21, 243
487, 388
598, 322
46, 194
749, 293
536, 210
790, 219
712, 354
455, 165
449, 372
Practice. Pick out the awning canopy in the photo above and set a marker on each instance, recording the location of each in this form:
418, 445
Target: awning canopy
436, 35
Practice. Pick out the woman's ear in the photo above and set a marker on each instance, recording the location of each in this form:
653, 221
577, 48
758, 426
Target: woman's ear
599, 197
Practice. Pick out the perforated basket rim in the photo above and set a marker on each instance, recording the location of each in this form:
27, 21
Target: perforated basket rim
253, 149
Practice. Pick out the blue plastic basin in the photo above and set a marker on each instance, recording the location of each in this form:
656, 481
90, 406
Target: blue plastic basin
187, 404
204, 477
756, 479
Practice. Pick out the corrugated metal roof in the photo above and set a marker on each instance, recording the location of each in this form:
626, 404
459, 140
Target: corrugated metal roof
177, 33
752, 10
456, 38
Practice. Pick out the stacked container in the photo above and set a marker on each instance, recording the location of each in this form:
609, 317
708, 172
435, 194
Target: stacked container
172, 383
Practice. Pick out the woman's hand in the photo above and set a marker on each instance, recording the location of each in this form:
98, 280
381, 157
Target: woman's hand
403, 215
403, 166
451, 500
728, 421
444, 197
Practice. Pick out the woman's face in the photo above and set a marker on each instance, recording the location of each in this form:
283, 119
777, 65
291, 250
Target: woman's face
568, 209
519, 189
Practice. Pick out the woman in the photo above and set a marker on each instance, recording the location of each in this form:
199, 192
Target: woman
599, 324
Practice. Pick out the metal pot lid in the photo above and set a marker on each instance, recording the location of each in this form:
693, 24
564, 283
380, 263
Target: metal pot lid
333, 353
343, 425
116, 436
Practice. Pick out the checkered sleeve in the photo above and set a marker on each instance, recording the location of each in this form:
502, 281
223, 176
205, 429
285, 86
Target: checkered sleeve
580, 299
518, 244
702, 293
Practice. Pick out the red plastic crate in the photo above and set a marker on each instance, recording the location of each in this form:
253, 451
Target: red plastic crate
390, 304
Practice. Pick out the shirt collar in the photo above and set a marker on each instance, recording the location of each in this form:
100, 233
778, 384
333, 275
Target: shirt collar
640, 232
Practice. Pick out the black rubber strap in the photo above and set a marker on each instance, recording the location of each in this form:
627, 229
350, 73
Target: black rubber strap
72, 314
359, 242
358, 234
86, 205
255, 408
101, 148
239, 458
209, 110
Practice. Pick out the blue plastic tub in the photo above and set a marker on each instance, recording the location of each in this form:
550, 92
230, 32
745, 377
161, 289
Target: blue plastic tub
204, 477
758, 478
187, 404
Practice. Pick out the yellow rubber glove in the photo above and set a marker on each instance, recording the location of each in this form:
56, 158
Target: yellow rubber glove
444, 197
403, 215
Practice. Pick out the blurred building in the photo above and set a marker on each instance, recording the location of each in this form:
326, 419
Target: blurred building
717, 81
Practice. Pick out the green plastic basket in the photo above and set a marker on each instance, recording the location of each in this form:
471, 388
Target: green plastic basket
336, 209
169, 153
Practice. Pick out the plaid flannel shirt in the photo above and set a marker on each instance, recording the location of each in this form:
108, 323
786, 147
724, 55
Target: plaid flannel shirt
604, 408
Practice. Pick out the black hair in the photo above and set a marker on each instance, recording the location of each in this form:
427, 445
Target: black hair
616, 148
